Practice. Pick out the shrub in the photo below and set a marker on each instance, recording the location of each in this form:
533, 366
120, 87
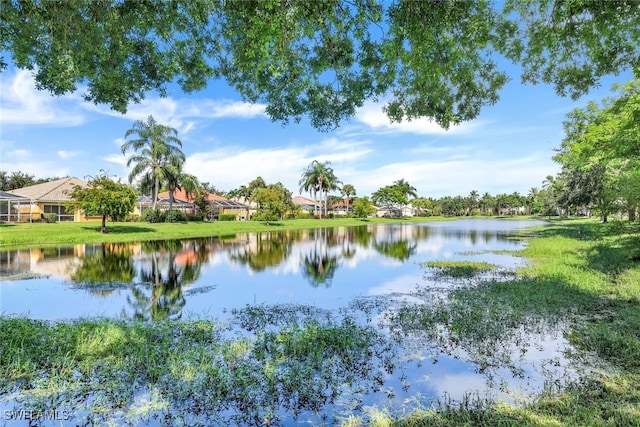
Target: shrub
227, 217
175, 215
153, 215
132, 218
305, 215
197, 217
51, 217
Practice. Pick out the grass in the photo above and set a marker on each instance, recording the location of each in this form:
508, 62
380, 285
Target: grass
580, 273
462, 269
113, 372
17, 236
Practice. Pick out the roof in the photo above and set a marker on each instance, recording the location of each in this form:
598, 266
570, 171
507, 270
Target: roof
12, 197
345, 202
182, 195
301, 200
214, 199
52, 191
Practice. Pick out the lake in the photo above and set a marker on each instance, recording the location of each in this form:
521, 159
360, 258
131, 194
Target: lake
375, 276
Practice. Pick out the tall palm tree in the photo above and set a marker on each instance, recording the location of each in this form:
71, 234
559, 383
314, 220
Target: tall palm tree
309, 181
156, 148
319, 177
330, 182
347, 191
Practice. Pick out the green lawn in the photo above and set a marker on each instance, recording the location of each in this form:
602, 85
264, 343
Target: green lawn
14, 236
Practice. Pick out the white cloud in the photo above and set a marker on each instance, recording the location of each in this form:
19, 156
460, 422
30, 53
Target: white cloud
183, 114
371, 114
231, 167
64, 154
23, 104
440, 178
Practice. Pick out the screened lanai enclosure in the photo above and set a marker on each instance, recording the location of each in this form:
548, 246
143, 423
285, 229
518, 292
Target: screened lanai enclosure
14, 208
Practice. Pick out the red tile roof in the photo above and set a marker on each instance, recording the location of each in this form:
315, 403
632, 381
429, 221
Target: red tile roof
189, 197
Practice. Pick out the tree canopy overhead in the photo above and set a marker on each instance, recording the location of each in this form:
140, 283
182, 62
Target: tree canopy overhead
321, 58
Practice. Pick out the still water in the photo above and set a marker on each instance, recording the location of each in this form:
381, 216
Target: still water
372, 272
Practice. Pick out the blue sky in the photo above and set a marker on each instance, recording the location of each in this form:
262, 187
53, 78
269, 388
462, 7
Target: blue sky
228, 142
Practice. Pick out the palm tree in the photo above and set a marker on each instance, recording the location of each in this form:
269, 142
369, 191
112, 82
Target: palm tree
406, 188
156, 149
178, 180
329, 183
309, 181
347, 191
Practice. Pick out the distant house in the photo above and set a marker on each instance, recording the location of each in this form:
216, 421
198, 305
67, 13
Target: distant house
395, 211
306, 205
342, 207
219, 205
51, 198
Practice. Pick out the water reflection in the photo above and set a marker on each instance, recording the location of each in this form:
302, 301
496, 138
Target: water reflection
149, 279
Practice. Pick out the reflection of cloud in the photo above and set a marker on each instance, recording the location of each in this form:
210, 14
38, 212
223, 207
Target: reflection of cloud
402, 284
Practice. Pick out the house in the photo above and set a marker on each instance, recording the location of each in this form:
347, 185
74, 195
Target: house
306, 205
219, 205
342, 207
395, 211
51, 197
11, 206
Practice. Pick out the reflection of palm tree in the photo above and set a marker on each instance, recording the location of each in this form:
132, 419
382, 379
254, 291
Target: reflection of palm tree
166, 300
319, 266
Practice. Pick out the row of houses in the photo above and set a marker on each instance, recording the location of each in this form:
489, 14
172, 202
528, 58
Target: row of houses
32, 203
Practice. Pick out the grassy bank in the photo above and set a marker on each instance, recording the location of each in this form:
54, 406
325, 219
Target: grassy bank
15, 236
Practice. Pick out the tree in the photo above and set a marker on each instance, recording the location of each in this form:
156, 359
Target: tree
273, 201
319, 177
600, 153
178, 180
347, 191
157, 151
322, 59
362, 207
405, 188
106, 198
390, 196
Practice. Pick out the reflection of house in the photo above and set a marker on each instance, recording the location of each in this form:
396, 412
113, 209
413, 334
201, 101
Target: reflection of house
306, 205
219, 205
51, 197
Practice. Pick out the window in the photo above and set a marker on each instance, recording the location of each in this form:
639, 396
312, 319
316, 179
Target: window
64, 213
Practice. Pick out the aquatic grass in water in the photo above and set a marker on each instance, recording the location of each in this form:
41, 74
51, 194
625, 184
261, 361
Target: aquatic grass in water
191, 372
462, 269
